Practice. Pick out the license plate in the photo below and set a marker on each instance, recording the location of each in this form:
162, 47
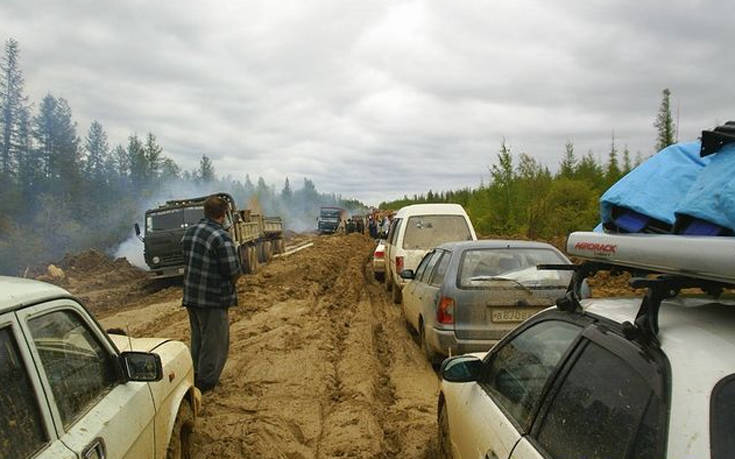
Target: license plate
510, 315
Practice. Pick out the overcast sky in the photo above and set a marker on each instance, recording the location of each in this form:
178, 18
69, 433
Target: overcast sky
376, 99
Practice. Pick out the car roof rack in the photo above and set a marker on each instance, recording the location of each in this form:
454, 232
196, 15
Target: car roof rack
677, 262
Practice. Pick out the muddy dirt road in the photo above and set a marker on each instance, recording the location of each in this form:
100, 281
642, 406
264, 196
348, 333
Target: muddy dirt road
321, 363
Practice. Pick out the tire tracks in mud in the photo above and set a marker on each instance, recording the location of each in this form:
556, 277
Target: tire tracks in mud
320, 363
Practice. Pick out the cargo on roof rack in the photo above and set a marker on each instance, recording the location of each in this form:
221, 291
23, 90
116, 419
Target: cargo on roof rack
676, 263
699, 257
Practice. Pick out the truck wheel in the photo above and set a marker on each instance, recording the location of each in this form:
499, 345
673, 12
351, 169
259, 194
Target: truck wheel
253, 257
244, 259
388, 282
379, 276
397, 296
179, 447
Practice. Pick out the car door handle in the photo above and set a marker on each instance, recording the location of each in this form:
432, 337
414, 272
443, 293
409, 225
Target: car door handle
490, 454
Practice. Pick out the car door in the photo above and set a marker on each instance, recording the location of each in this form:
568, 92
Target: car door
491, 415
390, 249
94, 412
420, 288
26, 427
610, 401
409, 303
431, 289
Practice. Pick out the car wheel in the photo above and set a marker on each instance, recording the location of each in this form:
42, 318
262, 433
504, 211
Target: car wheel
397, 297
179, 447
431, 355
388, 282
445, 450
379, 276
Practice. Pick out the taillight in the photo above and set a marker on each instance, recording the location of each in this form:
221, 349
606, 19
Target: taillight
399, 265
379, 254
445, 312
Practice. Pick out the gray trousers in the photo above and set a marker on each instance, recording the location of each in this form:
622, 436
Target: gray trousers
210, 342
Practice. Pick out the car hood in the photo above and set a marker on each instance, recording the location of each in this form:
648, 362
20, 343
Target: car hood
125, 343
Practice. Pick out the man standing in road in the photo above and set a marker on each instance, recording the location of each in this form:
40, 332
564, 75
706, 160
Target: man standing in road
212, 268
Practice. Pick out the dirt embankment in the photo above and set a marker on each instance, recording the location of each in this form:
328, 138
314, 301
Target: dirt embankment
320, 363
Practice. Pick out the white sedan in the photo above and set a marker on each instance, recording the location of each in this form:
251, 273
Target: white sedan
71, 390
591, 384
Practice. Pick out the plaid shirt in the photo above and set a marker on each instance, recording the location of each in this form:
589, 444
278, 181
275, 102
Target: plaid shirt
211, 262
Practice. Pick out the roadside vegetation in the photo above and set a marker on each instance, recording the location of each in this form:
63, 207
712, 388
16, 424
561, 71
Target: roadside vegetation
524, 198
63, 193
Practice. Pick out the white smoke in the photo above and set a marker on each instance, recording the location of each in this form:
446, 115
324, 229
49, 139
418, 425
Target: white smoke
132, 250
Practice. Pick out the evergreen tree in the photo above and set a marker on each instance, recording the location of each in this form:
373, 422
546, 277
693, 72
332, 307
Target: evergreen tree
152, 153
286, 192
137, 163
98, 151
206, 170
12, 103
612, 173
626, 161
664, 124
568, 162
169, 169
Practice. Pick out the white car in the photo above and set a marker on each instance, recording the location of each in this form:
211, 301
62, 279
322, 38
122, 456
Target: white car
71, 390
414, 231
607, 377
379, 261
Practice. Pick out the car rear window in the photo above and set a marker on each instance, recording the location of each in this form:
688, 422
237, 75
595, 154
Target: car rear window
485, 268
427, 231
722, 422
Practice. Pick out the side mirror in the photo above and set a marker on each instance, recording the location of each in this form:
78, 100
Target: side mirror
141, 366
407, 274
462, 368
137, 231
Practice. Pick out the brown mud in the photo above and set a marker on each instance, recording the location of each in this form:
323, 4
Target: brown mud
320, 363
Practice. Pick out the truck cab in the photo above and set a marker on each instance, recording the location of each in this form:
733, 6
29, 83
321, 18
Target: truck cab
331, 219
164, 228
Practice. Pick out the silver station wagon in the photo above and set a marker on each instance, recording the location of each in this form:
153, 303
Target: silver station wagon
466, 296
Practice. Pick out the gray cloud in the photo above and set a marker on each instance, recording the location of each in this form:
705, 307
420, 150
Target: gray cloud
377, 99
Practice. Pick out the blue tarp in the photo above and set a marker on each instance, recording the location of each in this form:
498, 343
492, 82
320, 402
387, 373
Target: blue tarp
655, 188
712, 195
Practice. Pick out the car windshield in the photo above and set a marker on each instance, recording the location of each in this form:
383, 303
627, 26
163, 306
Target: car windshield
174, 219
485, 268
428, 231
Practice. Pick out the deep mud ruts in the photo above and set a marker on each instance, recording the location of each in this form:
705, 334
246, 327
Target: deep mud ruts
320, 364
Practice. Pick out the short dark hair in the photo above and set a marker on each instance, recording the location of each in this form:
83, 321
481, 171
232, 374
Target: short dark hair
215, 207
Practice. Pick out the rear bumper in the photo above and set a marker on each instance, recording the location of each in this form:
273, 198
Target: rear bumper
445, 342
379, 266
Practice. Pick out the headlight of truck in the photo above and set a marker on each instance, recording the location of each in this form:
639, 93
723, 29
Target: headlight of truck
156, 260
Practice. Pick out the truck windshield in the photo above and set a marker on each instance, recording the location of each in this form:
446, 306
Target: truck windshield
330, 214
428, 231
174, 218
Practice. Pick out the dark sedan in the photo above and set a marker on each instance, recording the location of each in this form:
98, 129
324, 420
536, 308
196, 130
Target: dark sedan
465, 296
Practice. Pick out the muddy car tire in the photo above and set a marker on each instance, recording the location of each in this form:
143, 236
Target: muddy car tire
433, 358
179, 447
445, 450
387, 281
380, 277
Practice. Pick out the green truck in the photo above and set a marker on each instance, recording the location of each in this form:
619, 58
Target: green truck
256, 237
